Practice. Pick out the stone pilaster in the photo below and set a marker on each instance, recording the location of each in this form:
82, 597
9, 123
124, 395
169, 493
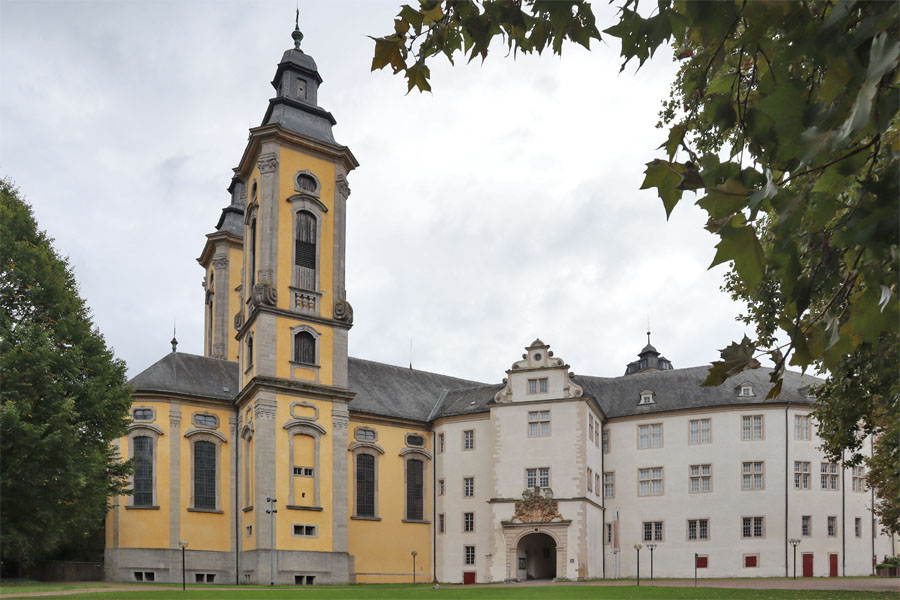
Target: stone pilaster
220, 307
174, 481
340, 501
268, 219
233, 479
264, 344
264, 407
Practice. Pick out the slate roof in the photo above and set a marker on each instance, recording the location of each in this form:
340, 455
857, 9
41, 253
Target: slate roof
469, 400
393, 391
190, 375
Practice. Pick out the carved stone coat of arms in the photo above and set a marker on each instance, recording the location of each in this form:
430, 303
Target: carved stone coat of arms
536, 506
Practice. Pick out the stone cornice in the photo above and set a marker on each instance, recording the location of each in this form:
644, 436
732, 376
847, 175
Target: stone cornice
216, 237
262, 308
278, 134
278, 384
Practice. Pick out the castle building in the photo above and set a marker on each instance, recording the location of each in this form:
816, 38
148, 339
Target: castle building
276, 457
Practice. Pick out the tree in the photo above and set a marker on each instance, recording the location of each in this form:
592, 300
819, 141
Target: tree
783, 118
63, 397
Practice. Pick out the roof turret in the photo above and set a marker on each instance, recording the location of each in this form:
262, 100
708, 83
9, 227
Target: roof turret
650, 360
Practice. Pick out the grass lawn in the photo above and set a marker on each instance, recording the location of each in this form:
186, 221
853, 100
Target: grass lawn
400, 592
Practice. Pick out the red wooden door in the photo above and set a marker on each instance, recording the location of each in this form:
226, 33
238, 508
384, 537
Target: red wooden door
468, 577
832, 565
807, 564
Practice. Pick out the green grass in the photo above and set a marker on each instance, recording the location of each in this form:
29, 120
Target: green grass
402, 592
10, 586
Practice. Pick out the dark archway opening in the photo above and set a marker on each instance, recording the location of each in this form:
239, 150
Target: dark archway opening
536, 557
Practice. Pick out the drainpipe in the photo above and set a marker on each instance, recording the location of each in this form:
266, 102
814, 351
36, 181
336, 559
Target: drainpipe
872, 510
237, 500
843, 519
603, 503
434, 522
786, 487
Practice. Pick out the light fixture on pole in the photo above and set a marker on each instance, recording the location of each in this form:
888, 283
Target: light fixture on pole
652, 548
271, 512
414, 554
638, 548
795, 542
183, 544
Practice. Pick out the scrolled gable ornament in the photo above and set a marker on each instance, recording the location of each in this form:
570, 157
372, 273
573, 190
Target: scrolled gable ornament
537, 506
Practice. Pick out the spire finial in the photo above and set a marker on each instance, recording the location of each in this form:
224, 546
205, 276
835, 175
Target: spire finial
174, 341
297, 35
648, 330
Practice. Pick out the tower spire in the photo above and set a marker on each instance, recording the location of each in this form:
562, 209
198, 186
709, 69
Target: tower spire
297, 35
174, 341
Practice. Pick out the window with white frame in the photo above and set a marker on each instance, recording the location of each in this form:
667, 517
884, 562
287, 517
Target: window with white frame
699, 431
751, 427
746, 390
304, 530
537, 386
650, 481
609, 484
598, 484
441, 443
468, 487
857, 527
806, 525
753, 475
801, 475
605, 445
701, 479
753, 527
832, 526
539, 423
440, 487
829, 478
468, 522
590, 480
650, 436
858, 480
653, 531
590, 428
697, 529
441, 523
469, 555
801, 427
537, 476
469, 439
647, 397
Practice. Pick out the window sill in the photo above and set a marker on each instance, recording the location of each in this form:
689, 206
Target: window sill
132, 507
417, 521
295, 507
304, 365
206, 510
247, 508
356, 518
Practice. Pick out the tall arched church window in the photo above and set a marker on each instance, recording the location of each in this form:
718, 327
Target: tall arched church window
365, 485
305, 348
143, 471
205, 475
305, 250
415, 492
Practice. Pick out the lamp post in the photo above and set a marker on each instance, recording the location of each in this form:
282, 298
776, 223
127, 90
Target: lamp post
271, 512
652, 548
795, 542
638, 548
183, 544
414, 554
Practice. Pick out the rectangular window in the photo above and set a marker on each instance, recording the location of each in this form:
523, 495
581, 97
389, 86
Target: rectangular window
697, 529
752, 427
801, 475
469, 553
650, 436
609, 529
539, 423
857, 527
305, 471
751, 561
753, 476
305, 530
143, 471
537, 477
829, 478
653, 531
699, 431
468, 487
701, 479
605, 436
469, 439
441, 442
590, 428
858, 480
806, 525
590, 480
440, 487
537, 386
650, 481
832, 526
753, 527
598, 484
468, 521
609, 484
441, 523
801, 427
365, 485
415, 493
597, 427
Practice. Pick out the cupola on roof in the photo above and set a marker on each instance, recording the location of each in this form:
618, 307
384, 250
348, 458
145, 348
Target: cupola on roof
650, 360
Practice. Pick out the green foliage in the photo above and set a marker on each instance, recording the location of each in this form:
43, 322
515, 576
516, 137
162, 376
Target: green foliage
63, 397
785, 115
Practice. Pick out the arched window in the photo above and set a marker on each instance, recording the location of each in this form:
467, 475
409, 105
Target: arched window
143, 471
252, 277
205, 475
415, 493
305, 250
365, 485
304, 348
248, 360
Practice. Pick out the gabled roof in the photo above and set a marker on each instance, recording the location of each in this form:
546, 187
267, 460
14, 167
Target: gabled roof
190, 375
393, 391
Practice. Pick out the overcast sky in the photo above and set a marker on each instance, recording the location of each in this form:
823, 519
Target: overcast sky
501, 208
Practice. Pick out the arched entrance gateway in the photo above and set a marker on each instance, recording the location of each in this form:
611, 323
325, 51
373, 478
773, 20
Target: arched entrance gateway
536, 557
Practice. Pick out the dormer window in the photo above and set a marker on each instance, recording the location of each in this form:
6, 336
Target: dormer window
537, 386
746, 390
647, 398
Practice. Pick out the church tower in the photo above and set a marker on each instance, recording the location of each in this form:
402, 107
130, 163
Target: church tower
291, 326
